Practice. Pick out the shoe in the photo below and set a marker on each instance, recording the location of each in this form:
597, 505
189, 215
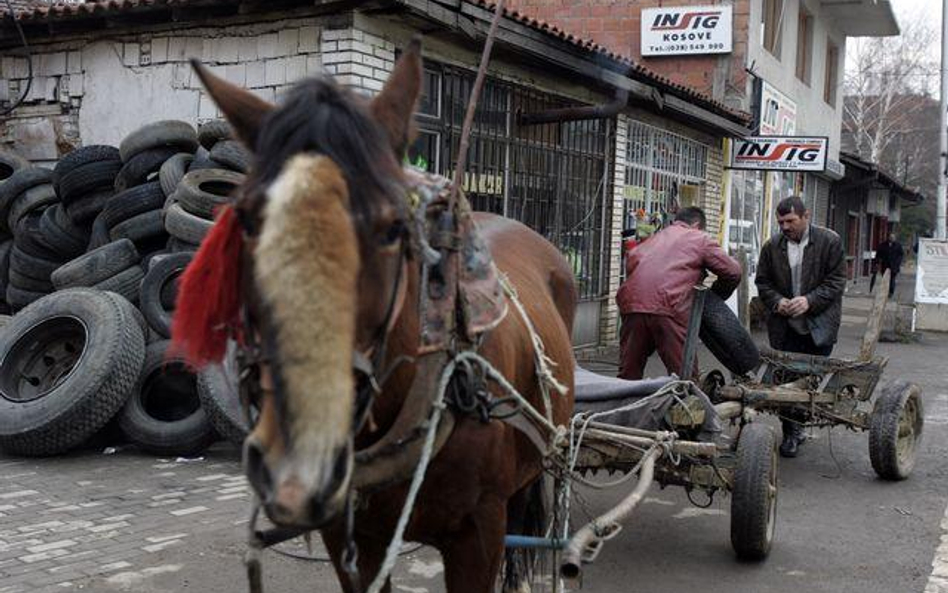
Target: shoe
790, 446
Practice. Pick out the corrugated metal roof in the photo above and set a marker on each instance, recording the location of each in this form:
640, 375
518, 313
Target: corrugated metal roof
45, 11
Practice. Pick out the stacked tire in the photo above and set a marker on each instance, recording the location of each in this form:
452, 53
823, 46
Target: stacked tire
90, 255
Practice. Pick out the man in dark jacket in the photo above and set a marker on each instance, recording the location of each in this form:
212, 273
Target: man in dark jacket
655, 299
801, 276
889, 256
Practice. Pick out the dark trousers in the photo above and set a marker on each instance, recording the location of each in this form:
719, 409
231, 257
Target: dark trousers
893, 274
802, 344
641, 335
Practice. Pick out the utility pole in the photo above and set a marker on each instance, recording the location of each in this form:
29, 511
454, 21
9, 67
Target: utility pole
941, 212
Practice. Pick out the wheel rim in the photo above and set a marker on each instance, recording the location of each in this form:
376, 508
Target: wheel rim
42, 359
908, 431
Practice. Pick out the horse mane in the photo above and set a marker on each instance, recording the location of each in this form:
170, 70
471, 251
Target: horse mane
319, 116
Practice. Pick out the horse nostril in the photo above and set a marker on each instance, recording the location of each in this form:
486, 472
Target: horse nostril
256, 468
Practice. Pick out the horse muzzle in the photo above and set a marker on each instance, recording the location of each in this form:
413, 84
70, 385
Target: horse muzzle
299, 493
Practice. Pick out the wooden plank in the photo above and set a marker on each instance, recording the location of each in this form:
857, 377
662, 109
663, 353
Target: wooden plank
874, 325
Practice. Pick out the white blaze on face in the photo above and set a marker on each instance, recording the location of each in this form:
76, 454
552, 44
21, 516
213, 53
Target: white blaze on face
306, 263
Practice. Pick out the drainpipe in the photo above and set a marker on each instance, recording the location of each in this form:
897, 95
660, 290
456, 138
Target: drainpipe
605, 110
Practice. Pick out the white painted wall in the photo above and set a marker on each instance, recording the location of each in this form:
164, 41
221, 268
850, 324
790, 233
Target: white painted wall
814, 116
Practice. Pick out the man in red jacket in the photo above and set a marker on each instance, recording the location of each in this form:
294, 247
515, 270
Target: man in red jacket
655, 299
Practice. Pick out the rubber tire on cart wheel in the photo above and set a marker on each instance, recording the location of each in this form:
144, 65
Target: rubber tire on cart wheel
218, 387
163, 414
726, 338
67, 362
162, 271
754, 497
895, 429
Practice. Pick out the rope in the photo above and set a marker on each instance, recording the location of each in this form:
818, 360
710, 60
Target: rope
543, 362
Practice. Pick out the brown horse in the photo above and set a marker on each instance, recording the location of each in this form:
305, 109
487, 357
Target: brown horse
326, 273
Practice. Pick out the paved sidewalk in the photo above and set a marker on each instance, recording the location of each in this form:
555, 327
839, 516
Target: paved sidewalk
63, 520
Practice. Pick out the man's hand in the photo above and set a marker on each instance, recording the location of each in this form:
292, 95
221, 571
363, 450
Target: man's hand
782, 307
797, 306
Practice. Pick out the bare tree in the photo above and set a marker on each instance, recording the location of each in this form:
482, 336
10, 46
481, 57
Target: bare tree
885, 76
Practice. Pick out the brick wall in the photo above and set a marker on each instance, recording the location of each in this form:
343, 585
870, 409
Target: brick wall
617, 25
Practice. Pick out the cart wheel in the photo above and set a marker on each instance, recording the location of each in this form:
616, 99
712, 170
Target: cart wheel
895, 429
754, 497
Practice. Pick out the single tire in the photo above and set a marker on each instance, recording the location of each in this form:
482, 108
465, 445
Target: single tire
96, 265
895, 429
754, 497
175, 134
61, 234
203, 160
32, 199
186, 226
726, 338
176, 245
201, 192
172, 171
5, 248
34, 267
10, 163
88, 178
232, 154
83, 210
67, 363
163, 414
126, 283
142, 166
99, 235
16, 184
30, 239
22, 282
213, 131
132, 202
142, 227
163, 271
83, 156
219, 390
19, 298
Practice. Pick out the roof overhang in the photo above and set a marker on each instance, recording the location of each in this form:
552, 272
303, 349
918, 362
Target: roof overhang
862, 18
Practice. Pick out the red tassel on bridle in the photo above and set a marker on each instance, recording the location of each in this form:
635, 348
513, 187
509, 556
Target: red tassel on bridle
207, 311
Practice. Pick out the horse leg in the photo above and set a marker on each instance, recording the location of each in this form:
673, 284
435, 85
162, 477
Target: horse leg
371, 554
473, 555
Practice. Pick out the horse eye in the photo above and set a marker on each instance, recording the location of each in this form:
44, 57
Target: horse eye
393, 233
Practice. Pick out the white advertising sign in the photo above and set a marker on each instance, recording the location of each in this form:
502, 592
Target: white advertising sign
780, 153
931, 278
778, 112
683, 30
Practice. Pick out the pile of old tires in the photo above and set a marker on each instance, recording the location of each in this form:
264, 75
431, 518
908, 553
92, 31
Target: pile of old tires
90, 253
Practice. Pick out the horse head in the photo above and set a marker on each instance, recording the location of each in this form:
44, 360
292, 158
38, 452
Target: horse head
324, 221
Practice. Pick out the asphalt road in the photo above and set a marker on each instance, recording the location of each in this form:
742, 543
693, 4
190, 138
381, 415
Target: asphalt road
129, 522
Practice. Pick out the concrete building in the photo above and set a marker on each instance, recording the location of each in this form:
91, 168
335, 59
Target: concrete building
102, 69
781, 60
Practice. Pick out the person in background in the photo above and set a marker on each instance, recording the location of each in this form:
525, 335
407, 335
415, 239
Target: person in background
801, 276
889, 255
655, 299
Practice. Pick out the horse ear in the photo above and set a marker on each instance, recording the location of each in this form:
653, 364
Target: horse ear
244, 110
394, 107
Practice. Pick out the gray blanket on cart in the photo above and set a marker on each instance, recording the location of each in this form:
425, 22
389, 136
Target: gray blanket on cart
597, 393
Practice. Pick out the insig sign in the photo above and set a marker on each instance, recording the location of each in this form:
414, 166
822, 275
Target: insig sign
680, 30
779, 153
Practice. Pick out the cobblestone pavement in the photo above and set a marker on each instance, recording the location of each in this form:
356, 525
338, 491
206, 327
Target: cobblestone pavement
64, 520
